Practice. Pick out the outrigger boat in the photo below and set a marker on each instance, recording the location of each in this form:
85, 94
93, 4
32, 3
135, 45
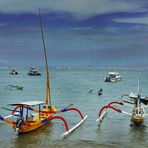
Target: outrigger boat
135, 101
13, 72
25, 122
113, 77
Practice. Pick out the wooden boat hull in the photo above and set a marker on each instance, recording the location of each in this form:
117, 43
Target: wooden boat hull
26, 129
137, 120
29, 126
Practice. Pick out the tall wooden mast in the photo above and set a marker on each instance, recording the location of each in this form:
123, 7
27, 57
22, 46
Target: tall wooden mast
48, 97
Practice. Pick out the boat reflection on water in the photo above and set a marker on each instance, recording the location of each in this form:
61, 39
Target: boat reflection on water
33, 139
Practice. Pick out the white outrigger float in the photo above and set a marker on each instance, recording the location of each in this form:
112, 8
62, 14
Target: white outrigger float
136, 102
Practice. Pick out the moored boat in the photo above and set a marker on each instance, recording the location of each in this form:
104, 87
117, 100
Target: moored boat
13, 72
113, 77
34, 72
137, 105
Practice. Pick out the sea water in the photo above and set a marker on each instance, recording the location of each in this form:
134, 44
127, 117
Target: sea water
71, 86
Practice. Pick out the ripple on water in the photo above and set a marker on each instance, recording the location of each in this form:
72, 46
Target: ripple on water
72, 86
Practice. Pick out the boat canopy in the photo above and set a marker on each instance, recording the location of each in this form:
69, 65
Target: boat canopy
28, 103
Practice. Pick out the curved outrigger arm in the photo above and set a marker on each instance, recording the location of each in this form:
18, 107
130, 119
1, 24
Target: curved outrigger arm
104, 109
127, 95
69, 131
125, 100
54, 112
7, 121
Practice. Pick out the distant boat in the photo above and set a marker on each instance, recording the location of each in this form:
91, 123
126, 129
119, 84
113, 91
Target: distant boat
14, 87
34, 72
113, 77
13, 72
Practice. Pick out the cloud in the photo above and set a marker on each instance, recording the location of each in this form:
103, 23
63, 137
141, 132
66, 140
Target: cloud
79, 8
138, 20
2, 24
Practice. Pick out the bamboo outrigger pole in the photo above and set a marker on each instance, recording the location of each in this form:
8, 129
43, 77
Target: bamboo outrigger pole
48, 97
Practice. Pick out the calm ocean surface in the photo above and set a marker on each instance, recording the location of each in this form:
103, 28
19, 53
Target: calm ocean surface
72, 86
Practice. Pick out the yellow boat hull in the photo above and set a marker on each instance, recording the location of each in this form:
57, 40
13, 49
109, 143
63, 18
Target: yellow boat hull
29, 126
25, 129
137, 120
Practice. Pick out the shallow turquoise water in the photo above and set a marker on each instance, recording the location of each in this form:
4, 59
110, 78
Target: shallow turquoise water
72, 86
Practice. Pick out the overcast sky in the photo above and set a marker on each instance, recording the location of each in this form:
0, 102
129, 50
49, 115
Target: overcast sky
103, 33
